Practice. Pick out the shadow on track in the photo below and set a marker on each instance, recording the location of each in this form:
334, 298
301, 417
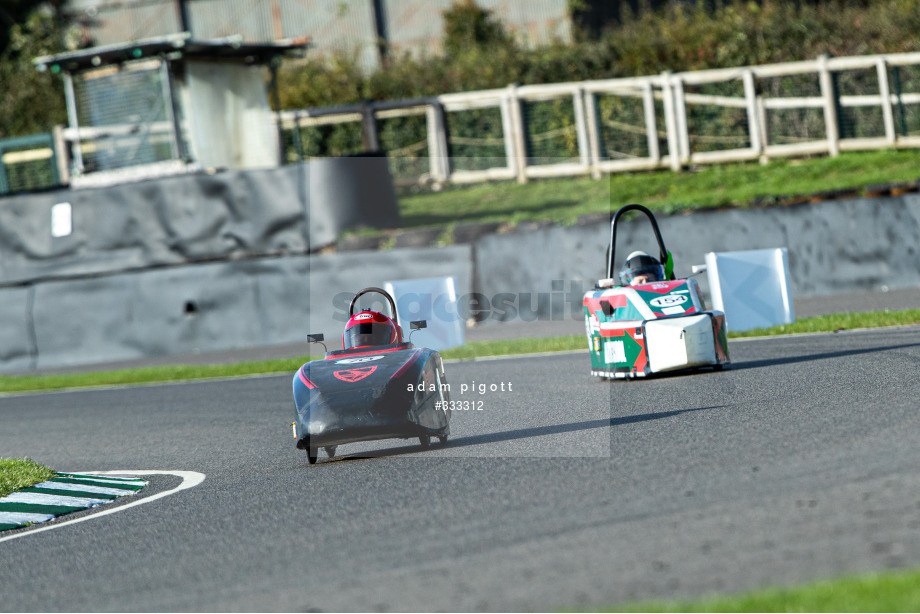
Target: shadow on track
537, 431
770, 362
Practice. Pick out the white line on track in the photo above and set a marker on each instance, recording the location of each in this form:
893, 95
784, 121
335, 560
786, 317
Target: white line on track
189, 480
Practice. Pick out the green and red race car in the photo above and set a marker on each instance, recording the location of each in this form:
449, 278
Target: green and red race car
651, 322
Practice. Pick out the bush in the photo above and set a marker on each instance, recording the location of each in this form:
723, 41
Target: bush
480, 54
467, 26
32, 102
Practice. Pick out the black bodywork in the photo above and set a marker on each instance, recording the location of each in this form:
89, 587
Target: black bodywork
369, 393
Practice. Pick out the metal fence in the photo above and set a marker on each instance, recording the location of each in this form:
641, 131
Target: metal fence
29, 163
671, 120
123, 117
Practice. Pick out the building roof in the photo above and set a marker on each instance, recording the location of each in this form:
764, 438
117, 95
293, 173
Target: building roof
175, 46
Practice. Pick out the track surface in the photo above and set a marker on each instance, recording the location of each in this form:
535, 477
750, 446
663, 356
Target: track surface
801, 462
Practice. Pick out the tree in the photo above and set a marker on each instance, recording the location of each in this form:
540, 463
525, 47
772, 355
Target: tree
12, 12
467, 26
33, 102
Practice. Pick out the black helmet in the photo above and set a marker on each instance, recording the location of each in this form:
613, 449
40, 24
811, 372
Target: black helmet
640, 263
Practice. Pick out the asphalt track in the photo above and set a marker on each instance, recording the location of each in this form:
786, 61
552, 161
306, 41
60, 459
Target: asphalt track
798, 463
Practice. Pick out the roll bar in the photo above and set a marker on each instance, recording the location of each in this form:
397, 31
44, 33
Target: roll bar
351, 308
663, 257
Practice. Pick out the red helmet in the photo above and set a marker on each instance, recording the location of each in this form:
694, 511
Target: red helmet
369, 328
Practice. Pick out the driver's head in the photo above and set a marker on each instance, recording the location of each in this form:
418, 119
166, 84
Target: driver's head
369, 328
640, 268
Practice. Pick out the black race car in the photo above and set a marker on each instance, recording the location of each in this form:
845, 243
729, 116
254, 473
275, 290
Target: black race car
377, 387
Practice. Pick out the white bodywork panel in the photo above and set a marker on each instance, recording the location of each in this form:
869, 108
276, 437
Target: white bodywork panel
679, 343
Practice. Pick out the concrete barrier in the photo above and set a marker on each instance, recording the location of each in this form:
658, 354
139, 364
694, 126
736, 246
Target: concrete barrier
834, 247
293, 209
199, 307
61, 318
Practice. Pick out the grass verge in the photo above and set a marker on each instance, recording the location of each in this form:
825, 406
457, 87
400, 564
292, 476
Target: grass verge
890, 592
529, 345
147, 375
19, 473
479, 349
731, 185
837, 322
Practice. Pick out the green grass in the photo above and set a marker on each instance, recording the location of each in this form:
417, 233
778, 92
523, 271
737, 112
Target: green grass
838, 321
19, 473
530, 345
477, 349
146, 375
890, 592
732, 185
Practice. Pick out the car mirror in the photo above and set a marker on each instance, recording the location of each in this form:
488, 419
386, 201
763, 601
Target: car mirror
317, 338
415, 326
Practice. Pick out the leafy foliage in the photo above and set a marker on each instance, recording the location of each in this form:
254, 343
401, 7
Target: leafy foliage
32, 102
481, 53
467, 26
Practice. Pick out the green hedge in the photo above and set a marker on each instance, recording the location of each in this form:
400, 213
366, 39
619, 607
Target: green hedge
484, 55
679, 38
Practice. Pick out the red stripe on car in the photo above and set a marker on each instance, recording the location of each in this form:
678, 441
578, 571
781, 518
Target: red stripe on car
407, 364
594, 304
306, 380
350, 354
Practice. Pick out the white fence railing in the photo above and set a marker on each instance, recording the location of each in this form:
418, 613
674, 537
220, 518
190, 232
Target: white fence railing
588, 128
671, 120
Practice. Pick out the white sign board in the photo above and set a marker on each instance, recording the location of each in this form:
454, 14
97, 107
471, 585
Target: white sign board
434, 300
751, 287
61, 220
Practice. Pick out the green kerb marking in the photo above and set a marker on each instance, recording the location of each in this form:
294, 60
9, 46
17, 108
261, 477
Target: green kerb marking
97, 477
70, 493
38, 508
85, 482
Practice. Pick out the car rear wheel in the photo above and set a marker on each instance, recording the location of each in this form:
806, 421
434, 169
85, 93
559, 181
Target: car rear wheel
425, 440
443, 439
330, 451
312, 453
